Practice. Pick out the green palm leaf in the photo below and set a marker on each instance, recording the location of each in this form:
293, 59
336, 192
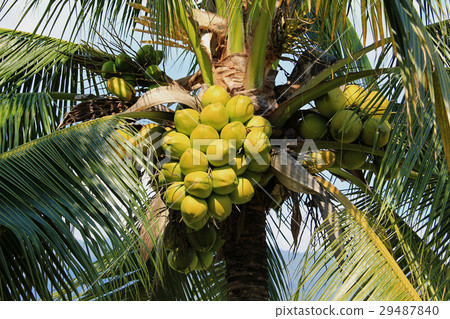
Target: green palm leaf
59, 184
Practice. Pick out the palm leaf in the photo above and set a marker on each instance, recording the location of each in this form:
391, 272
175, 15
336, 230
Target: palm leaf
51, 77
59, 184
91, 14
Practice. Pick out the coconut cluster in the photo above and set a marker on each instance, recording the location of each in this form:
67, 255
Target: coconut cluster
216, 157
349, 116
124, 73
194, 251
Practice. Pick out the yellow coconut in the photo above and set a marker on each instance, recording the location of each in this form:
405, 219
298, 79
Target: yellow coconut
376, 132
203, 239
121, 88
219, 152
205, 260
259, 123
313, 126
355, 95
219, 206
174, 143
193, 209
240, 163
224, 180
256, 142
215, 94
202, 136
243, 193
319, 161
214, 115
375, 104
198, 184
186, 120
331, 102
259, 162
254, 177
174, 195
234, 132
193, 160
125, 137
183, 260
345, 126
170, 172
240, 108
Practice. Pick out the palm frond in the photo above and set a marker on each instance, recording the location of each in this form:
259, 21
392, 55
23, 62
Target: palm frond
37, 89
361, 271
91, 15
422, 68
72, 180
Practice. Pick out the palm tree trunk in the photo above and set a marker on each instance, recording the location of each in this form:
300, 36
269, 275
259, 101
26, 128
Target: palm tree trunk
245, 252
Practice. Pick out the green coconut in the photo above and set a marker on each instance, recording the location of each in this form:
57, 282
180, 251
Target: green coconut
153, 73
350, 159
219, 151
331, 102
214, 115
174, 195
205, 260
215, 94
193, 160
108, 70
218, 243
234, 132
170, 172
186, 120
266, 178
121, 88
345, 126
198, 184
313, 126
159, 56
202, 136
253, 177
376, 132
146, 56
355, 95
239, 163
256, 142
259, 123
243, 193
224, 180
259, 162
182, 260
240, 108
197, 224
123, 62
175, 144
219, 206
193, 209
203, 239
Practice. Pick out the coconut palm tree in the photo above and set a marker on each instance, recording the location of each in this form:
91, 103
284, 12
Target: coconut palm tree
79, 218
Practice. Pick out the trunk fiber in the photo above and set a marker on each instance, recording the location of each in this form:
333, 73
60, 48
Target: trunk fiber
245, 252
